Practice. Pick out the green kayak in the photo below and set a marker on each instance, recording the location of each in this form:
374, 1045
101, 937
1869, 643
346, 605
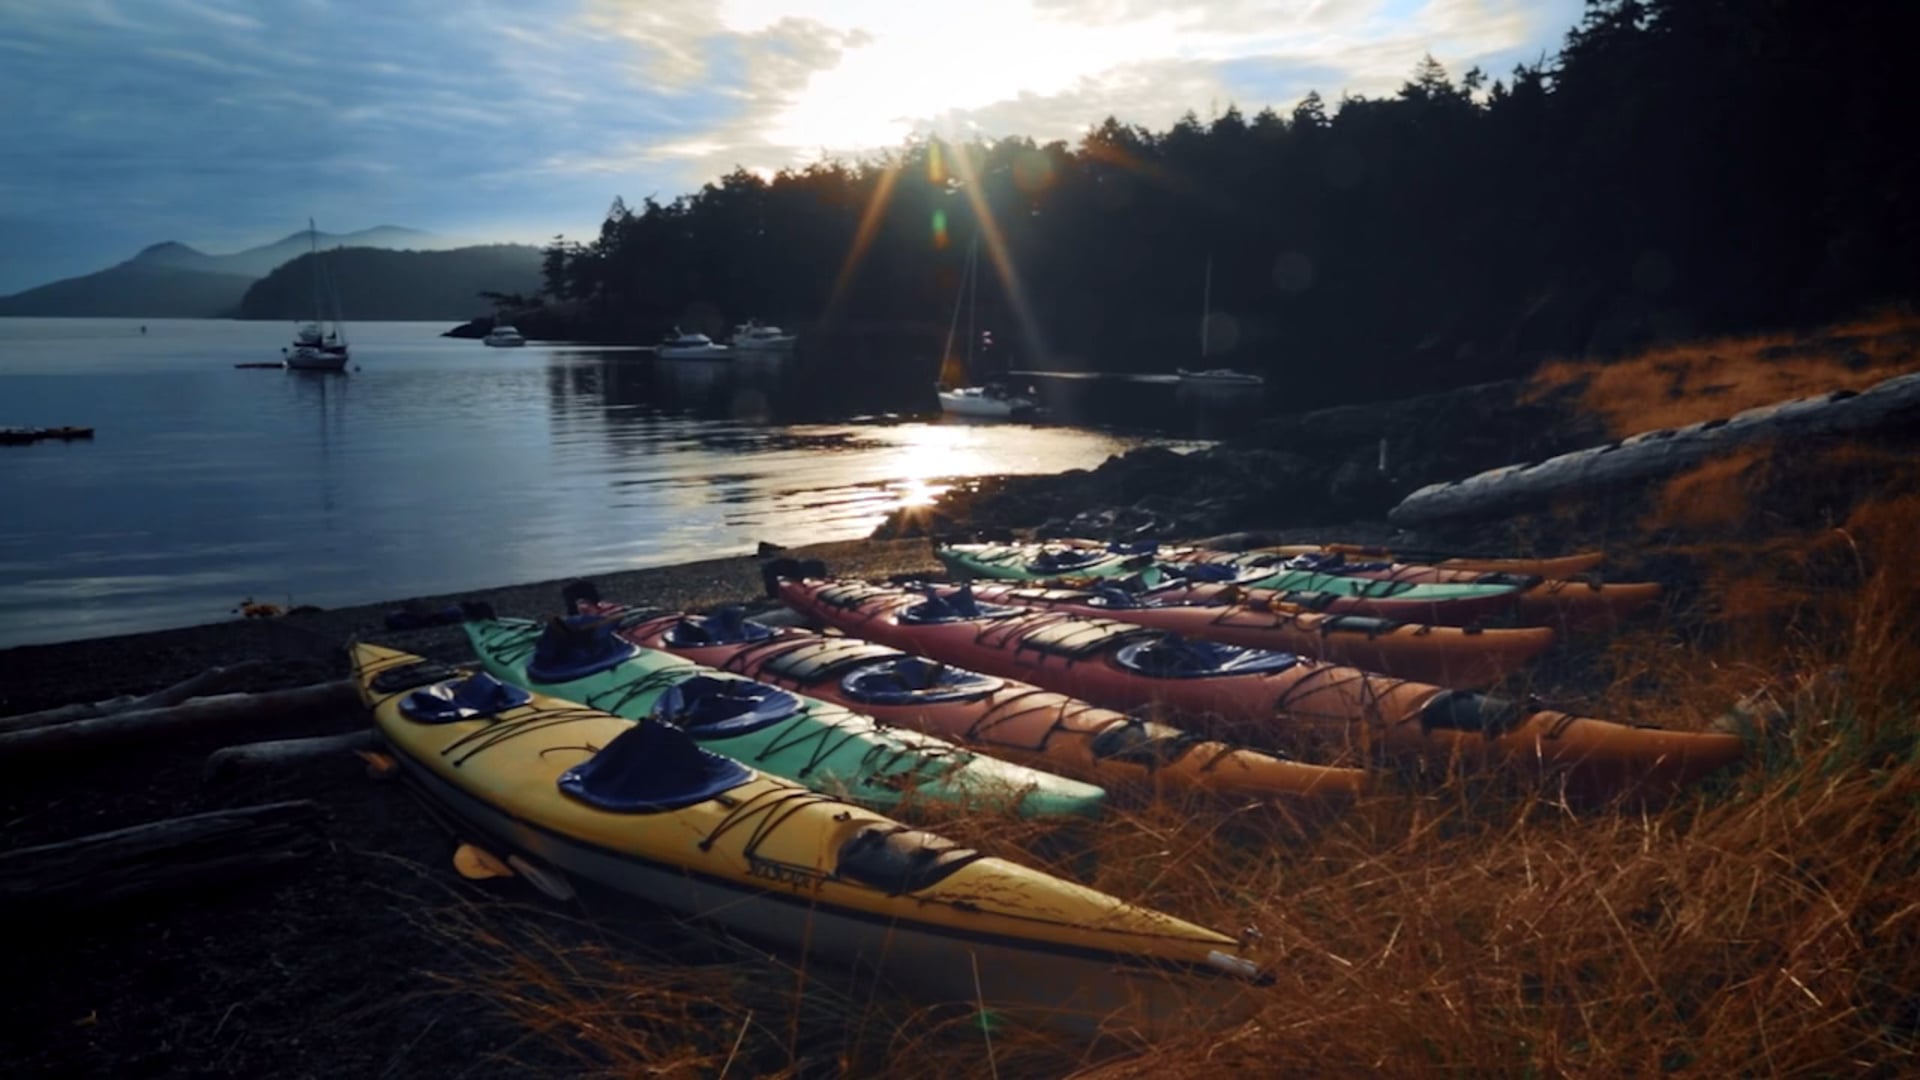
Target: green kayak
824, 746
1029, 562
1034, 562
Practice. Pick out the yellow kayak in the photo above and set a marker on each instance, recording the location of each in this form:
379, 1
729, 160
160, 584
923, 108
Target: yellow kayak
641, 808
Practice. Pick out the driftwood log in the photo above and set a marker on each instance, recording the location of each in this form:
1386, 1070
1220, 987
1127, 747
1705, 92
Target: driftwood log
282, 753
1657, 453
122, 729
177, 854
206, 682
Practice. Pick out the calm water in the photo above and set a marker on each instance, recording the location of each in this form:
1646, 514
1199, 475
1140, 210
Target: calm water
440, 465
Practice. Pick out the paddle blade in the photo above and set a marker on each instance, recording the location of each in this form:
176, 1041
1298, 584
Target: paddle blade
477, 864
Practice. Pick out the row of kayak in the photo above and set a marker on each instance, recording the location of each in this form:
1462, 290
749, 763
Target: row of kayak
1330, 582
744, 774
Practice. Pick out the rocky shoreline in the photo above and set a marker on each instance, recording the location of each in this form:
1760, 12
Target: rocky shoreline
1328, 473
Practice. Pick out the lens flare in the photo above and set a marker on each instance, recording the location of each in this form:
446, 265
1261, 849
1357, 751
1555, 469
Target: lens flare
940, 230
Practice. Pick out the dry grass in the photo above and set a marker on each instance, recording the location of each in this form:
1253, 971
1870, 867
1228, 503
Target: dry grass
1682, 384
1767, 922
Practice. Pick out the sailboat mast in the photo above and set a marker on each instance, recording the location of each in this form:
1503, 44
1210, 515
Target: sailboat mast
959, 296
973, 298
1206, 305
313, 253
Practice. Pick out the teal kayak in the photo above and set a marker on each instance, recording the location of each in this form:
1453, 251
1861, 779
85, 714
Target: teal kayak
1035, 562
1030, 562
826, 747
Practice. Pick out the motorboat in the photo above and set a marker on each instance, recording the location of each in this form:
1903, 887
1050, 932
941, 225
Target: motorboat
505, 337
750, 336
692, 347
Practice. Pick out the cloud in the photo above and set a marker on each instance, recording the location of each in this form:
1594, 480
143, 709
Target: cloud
223, 123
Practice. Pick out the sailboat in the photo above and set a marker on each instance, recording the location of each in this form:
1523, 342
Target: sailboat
990, 400
315, 346
1214, 376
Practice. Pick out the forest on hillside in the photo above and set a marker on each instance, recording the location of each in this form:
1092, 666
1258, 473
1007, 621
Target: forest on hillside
375, 283
1680, 167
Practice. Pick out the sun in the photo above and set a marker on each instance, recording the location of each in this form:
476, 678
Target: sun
914, 67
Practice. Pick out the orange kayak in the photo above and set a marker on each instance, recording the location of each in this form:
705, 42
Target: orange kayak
1563, 566
1333, 712
1008, 719
1466, 658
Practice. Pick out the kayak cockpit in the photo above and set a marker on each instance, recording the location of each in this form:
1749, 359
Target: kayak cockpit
914, 680
957, 606
897, 859
467, 697
575, 646
1174, 657
728, 626
713, 707
650, 768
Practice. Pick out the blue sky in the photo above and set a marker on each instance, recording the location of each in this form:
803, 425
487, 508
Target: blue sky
226, 123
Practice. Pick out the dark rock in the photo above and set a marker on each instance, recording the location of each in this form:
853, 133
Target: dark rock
472, 328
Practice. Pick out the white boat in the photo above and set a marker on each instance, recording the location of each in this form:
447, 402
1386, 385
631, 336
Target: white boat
1221, 377
316, 346
1213, 376
991, 400
750, 336
692, 347
505, 337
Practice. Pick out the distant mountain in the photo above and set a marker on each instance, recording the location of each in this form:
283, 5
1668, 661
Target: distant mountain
207, 285
133, 291
259, 261
375, 284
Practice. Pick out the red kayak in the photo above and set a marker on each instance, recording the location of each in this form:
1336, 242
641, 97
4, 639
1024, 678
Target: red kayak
1467, 658
1011, 720
1338, 713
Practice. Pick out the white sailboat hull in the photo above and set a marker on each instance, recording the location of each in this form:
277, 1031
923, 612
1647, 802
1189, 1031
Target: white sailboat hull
971, 402
1221, 377
303, 358
694, 352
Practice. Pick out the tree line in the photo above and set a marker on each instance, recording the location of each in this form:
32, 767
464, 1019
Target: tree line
1679, 167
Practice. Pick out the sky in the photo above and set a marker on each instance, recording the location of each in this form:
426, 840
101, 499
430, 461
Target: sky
227, 123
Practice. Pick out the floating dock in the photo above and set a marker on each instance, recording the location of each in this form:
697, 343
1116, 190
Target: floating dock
22, 436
